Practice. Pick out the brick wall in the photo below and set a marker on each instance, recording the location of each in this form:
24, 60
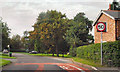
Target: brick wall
110, 34
118, 28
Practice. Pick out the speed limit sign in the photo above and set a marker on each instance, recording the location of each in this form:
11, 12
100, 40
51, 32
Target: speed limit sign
100, 26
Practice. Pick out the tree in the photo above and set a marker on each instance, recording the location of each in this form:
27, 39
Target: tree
80, 18
16, 43
78, 32
50, 29
25, 40
5, 34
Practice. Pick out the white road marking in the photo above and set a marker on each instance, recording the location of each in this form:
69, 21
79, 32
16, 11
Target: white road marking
76, 68
63, 67
60, 59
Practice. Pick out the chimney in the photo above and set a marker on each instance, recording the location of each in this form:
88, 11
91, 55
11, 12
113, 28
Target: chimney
109, 7
114, 4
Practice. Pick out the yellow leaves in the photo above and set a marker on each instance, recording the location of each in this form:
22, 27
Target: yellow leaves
41, 32
53, 45
49, 49
42, 37
34, 33
58, 25
48, 25
48, 36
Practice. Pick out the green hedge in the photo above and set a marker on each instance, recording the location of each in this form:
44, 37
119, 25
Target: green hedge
111, 53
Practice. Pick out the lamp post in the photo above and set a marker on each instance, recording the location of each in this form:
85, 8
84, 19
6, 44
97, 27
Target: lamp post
8, 47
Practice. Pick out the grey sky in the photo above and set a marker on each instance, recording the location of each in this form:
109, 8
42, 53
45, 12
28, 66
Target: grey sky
20, 15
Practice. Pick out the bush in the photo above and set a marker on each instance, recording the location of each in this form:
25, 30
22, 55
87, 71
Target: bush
111, 53
73, 51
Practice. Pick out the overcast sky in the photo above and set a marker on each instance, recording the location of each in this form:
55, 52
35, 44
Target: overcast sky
20, 15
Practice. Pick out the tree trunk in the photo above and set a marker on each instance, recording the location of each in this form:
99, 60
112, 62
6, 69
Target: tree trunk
57, 52
57, 47
63, 55
52, 54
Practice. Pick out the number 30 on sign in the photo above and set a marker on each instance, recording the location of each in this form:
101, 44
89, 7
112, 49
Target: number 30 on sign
100, 26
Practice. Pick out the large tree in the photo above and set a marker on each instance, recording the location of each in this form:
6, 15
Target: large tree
49, 30
78, 32
5, 34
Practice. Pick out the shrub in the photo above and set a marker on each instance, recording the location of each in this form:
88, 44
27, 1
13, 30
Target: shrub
111, 53
73, 51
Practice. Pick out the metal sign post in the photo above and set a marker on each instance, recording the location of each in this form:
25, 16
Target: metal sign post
101, 49
101, 27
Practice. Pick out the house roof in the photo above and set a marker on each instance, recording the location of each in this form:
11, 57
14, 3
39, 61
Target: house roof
114, 14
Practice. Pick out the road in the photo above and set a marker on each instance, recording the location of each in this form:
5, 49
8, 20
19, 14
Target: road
27, 63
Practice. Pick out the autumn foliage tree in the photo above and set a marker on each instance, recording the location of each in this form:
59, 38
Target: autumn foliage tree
49, 31
54, 33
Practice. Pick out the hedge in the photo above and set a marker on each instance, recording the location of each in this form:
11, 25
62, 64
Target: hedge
111, 53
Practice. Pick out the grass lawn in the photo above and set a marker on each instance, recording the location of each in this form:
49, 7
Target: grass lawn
4, 62
55, 55
87, 62
6, 56
40, 54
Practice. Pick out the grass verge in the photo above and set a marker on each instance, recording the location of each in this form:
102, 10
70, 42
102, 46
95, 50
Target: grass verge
4, 62
87, 62
6, 56
55, 55
41, 54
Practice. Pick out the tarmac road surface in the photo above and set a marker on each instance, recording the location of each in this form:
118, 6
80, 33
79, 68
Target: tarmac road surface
27, 63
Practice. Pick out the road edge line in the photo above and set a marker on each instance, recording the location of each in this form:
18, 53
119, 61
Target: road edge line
84, 65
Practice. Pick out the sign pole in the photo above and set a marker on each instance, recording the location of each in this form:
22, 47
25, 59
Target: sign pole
101, 48
101, 27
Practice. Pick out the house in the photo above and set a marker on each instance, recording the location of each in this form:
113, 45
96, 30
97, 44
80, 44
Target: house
111, 18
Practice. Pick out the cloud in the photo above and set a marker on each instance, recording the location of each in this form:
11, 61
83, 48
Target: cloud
21, 14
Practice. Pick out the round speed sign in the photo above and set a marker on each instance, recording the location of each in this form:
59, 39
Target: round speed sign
100, 26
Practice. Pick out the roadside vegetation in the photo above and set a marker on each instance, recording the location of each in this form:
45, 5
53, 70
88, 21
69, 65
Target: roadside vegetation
6, 56
111, 53
55, 55
4, 62
87, 62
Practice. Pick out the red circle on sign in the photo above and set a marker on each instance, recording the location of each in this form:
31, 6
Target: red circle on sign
98, 24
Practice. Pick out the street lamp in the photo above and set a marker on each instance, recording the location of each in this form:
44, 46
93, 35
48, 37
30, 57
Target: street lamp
8, 47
